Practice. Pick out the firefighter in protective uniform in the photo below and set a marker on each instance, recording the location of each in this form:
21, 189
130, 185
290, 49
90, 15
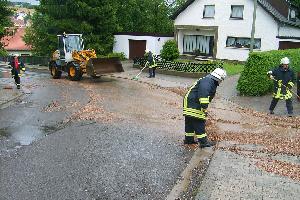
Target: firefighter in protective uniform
284, 79
195, 105
151, 63
18, 68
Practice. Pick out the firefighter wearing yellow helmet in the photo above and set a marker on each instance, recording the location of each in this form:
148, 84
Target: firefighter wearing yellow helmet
195, 104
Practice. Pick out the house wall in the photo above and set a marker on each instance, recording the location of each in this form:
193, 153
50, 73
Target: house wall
11, 53
266, 26
153, 43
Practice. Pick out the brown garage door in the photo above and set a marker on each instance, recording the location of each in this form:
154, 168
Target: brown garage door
289, 45
137, 48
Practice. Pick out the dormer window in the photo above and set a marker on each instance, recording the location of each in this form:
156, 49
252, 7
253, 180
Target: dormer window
237, 12
209, 11
292, 15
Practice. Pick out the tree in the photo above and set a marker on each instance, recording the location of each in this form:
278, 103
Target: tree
144, 16
95, 19
5, 13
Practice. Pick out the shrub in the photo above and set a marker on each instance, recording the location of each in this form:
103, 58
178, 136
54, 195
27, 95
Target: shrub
121, 55
254, 80
170, 51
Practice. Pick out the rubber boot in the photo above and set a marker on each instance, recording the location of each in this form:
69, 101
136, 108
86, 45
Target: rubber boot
189, 140
203, 142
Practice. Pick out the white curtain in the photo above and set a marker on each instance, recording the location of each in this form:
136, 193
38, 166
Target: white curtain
194, 42
237, 11
209, 11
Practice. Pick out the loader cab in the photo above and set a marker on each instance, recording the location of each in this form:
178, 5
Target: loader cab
67, 43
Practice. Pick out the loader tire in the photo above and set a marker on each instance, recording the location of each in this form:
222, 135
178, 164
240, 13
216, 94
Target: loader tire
55, 73
74, 74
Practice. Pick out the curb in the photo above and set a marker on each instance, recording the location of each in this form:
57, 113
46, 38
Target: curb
10, 101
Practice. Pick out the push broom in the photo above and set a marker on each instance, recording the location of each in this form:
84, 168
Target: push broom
137, 76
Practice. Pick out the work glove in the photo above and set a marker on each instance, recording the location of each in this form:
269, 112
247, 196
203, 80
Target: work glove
23, 69
270, 74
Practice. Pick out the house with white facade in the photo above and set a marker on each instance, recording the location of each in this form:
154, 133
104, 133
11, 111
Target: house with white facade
222, 29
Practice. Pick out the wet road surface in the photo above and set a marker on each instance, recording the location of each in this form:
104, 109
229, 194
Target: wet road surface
101, 138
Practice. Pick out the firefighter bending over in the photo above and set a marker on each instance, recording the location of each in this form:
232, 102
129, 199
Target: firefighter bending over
284, 79
195, 105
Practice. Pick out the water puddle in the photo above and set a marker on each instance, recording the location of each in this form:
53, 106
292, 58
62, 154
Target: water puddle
25, 135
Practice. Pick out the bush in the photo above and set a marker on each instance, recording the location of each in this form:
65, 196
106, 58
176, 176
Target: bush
170, 51
254, 80
121, 55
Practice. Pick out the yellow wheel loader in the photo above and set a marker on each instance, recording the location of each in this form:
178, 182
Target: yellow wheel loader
73, 59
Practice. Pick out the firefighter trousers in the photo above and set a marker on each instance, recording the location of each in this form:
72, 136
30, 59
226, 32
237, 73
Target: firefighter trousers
194, 126
289, 105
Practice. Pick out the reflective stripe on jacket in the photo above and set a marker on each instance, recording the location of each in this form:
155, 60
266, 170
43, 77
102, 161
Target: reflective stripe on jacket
198, 97
284, 81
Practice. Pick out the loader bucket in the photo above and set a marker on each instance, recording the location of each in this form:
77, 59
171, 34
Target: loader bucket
99, 66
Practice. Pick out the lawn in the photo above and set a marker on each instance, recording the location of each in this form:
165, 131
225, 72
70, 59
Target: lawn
232, 68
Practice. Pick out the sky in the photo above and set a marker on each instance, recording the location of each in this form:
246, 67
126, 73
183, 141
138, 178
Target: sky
33, 2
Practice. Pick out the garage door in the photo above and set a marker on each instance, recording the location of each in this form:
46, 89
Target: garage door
289, 45
137, 48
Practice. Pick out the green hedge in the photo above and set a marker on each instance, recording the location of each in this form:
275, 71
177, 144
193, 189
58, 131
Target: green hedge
254, 80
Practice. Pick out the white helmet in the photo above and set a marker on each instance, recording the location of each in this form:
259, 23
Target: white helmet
16, 55
219, 74
285, 61
147, 50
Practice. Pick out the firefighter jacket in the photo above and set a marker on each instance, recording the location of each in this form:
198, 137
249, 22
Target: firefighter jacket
150, 59
283, 83
16, 65
199, 96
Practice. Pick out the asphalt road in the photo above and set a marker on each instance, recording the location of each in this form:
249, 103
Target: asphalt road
104, 138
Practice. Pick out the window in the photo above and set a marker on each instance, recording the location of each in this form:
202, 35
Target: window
241, 42
209, 11
293, 15
237, 12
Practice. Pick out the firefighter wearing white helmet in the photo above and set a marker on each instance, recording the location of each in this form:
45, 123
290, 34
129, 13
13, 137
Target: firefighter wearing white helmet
18, 68
195, 106
150, 62
284, 79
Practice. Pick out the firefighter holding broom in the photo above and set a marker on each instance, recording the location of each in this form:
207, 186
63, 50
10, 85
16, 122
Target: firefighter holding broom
18, 68
284, 79
195, 104
151, 63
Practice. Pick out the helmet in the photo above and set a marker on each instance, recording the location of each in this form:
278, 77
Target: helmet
147, 50
219, 73
285, 61
16, 55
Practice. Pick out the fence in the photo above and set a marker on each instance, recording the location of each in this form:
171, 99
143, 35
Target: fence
202, 67
31, 60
